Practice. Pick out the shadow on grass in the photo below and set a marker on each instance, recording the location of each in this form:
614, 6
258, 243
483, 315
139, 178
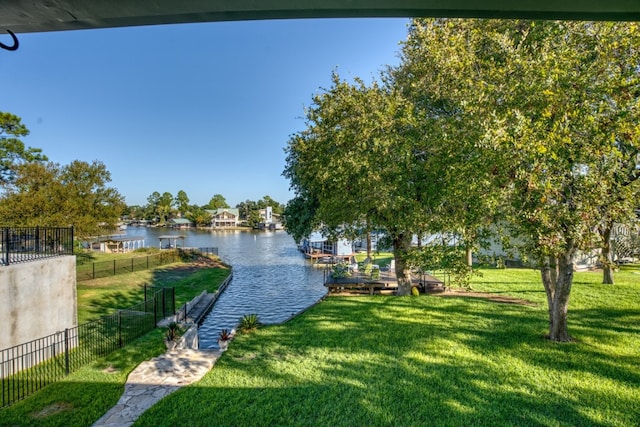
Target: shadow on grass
408, 361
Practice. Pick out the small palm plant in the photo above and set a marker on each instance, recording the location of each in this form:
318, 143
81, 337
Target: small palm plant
172, 331
249, 322
224, 335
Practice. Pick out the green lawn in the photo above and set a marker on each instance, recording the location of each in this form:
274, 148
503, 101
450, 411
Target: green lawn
87, 394
431, 360
102, 296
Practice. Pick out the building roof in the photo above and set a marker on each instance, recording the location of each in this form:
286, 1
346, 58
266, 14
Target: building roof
216, 212
22, 16
180, 221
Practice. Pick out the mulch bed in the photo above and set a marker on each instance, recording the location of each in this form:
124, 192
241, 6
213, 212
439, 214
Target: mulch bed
504, 299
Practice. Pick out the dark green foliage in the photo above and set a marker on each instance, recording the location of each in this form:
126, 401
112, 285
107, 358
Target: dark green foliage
173, 331
249, 322
12, 149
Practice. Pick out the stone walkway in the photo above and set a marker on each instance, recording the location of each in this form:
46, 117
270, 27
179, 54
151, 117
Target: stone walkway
156, 378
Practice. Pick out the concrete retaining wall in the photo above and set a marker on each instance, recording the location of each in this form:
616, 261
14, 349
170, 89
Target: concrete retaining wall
37, 298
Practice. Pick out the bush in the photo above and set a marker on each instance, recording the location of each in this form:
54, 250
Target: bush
249, 322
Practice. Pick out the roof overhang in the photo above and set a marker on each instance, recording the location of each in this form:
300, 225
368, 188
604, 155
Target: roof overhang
24, 16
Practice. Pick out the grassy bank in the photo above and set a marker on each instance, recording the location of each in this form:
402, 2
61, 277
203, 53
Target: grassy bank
87, 394
431, 360
101, 296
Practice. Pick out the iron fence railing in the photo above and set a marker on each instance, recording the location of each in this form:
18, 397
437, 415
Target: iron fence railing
23, 244
28, 367
114, 267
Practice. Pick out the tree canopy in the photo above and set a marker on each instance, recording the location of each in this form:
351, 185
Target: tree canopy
47, 194
12, 150
531, 125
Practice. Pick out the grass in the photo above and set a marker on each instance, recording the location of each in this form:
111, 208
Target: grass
380, 258
87, 394
431, 360
101, 296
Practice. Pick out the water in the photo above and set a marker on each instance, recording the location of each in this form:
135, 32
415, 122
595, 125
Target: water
270, 276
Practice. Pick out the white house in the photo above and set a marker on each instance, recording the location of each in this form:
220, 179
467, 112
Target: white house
224, 217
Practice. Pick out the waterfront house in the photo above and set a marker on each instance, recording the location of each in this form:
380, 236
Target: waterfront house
317, 246
180, 223
224, 217
269, 219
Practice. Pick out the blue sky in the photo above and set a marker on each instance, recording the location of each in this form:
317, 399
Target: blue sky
205, 108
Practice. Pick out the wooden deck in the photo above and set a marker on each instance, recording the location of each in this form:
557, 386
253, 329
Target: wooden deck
386, 283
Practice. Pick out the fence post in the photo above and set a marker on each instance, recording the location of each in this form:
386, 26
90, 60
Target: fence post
38, 239
164, 303
145, 292
6, 245
93, 265
155, 309
132, 265
173, 297
66, 351
114, 267
147, 262
119, 330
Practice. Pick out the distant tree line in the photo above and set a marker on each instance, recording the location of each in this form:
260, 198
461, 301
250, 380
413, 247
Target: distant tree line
37, 192
161, 208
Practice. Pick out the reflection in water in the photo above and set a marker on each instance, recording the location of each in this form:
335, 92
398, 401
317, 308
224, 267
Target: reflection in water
270, 276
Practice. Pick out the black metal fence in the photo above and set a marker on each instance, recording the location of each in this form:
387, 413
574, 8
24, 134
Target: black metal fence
22, 244
96, 270
28, 367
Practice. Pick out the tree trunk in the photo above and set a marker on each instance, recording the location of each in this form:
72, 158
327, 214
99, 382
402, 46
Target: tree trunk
607, 262
401, 246
369, 244
469, 251
557, 278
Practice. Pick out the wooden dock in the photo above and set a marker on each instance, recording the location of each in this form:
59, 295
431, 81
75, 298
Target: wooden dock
384, 283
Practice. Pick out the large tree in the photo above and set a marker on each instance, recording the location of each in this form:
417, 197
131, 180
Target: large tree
217, 201
546, 102
61, 196
358, 165
12, 150
182, 202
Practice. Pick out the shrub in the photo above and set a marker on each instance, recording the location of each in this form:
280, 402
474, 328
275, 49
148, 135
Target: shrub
249, 322
173, 332
224, 335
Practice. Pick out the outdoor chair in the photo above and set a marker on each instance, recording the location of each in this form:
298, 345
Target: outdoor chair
390, 268
367, 269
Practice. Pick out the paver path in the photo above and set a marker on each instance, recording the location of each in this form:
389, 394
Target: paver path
156, 378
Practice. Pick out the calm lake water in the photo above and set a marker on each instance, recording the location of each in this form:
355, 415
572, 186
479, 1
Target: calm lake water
270, 276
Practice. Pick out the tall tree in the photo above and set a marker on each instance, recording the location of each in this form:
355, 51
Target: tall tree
61, 196
359, 163
12, 149
182, 202
153, 201
548, 101
217, 201
165, 208
245, 208
199, 216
